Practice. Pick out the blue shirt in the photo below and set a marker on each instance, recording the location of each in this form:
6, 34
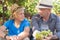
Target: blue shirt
12, 30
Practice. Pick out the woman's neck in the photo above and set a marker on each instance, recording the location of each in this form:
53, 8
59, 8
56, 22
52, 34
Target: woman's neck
17, 23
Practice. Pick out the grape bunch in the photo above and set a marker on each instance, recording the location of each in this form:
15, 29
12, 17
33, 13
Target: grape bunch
39, 36
43, 34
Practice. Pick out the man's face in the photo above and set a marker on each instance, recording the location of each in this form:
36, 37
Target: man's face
44, 11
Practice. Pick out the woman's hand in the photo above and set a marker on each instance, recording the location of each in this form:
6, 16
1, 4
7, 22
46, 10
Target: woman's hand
19, 38
11, 37
8, 38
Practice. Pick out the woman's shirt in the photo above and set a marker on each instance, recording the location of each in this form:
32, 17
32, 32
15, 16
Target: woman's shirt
12, 30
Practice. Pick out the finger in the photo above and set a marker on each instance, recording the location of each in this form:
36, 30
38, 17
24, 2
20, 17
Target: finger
48, 37
44, 39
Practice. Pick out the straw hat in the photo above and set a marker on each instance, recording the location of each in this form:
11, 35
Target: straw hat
45, 4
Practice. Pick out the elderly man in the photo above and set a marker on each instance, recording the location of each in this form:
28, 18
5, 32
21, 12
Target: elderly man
45, 20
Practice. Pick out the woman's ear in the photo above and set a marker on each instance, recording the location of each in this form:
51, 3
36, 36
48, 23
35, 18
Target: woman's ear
14, 14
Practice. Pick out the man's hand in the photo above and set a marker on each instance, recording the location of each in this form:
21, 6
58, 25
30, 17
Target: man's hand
51, 37
48, 37
54, 37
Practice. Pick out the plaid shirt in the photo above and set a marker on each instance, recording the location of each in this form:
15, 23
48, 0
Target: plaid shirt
53, 23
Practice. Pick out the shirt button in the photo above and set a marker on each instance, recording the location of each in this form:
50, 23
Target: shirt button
18, 31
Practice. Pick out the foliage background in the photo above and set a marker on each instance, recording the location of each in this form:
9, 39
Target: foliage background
56, 7
29, 7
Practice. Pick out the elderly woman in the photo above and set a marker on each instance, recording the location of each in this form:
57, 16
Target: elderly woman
17, 26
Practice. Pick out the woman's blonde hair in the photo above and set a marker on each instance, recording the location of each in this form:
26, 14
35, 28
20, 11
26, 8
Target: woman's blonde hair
14, 8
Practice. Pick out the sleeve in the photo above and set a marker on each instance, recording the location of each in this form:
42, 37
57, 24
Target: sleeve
27, 24
34, 24
6, 24
58, 27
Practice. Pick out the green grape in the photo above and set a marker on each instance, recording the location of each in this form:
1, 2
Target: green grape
46, 33
43, 34
39, 36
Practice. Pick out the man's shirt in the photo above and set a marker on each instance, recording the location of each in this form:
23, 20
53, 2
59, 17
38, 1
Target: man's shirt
52, 24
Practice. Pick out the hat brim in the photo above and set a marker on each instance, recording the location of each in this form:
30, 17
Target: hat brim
42, 7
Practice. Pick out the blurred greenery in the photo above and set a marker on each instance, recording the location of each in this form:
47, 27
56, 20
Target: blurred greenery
56, 7
29, 6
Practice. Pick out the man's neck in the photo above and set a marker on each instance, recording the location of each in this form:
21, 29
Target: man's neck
46, 18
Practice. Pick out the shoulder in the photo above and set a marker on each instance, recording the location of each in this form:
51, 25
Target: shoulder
25, 20
37, 16
9, 21
54, 16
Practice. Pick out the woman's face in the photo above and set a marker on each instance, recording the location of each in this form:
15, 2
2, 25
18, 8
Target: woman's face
19, 15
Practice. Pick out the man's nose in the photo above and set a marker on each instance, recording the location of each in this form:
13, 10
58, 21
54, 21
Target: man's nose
40, 11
